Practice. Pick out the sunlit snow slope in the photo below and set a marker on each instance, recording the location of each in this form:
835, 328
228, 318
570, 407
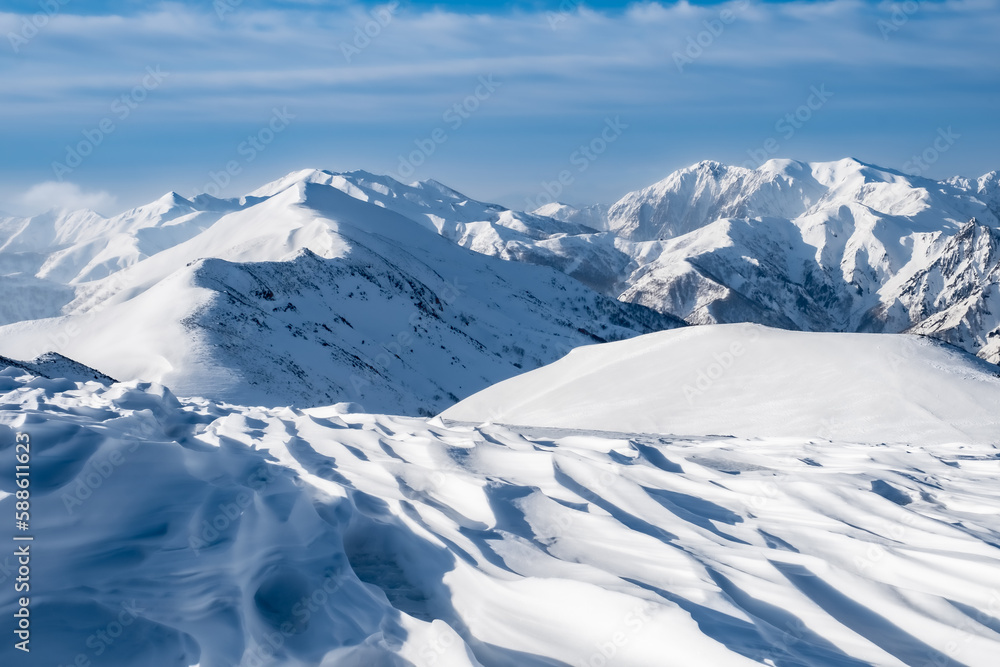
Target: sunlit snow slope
173, 533
751, 380
302, 294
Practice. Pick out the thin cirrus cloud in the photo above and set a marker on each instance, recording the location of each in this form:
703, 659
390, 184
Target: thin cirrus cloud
897, 73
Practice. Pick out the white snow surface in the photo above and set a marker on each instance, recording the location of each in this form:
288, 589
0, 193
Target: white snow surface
182, 532
749, 380
712, 495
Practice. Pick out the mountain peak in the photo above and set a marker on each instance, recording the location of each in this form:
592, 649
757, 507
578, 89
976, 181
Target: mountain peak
707, 164
289, 180
174, 199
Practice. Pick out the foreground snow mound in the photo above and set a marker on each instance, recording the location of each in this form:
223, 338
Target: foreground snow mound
170, 533
750, 380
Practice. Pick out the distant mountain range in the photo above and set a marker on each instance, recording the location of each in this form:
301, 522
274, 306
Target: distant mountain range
834, 246
304, 292
324, 287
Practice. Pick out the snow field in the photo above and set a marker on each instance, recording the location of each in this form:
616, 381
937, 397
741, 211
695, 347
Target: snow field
232, 535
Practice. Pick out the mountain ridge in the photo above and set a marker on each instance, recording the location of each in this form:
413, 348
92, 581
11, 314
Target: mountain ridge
304, 294
834, 246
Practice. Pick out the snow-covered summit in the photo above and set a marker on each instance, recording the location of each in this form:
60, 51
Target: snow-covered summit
707, 191
825, 246
832, 246
315, 289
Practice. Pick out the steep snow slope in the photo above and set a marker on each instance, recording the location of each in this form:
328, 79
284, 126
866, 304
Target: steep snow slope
748, 380
172, 533
957, 296
839, 246
307, 296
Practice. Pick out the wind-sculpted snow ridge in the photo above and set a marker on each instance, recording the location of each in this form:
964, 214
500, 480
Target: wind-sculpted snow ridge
181, 532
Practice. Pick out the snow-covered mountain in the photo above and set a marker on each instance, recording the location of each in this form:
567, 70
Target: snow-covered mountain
316, 287
829, 246
728, 495
840, 246
43, 258
594, 216
307, 291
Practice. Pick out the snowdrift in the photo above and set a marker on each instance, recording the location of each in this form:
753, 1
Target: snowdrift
170, 533
750, 380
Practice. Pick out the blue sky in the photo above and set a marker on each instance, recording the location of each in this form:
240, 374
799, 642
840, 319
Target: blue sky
228, 95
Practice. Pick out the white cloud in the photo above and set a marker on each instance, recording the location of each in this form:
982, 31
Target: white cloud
238, 67
897, 78
63, 196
